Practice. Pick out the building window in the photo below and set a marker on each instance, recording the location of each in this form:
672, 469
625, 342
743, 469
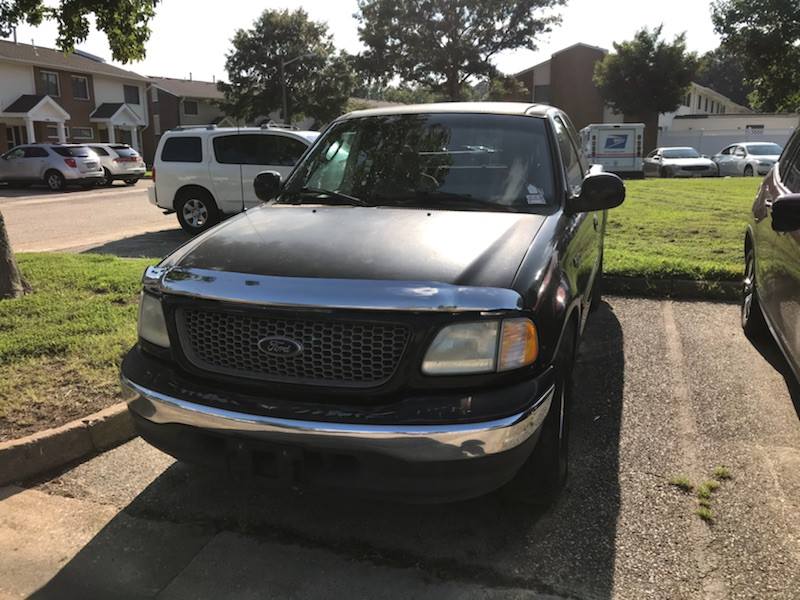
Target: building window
80, 87
82, 133
131, 94
688, 100
52, 132
189, 107
50, 84
723, 110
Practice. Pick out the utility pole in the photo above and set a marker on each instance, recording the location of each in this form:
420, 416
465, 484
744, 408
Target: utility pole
285, 63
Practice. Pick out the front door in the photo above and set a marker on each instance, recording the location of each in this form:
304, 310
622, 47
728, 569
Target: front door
584, 250
16, 136
778, 256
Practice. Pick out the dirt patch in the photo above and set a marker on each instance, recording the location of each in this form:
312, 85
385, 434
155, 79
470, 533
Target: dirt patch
48, 392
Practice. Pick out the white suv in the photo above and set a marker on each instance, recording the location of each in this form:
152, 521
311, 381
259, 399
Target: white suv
119, 161
205, 174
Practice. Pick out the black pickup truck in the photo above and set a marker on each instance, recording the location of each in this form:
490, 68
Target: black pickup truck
399, 318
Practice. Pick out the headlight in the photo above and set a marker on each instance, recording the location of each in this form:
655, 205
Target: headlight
152, 326
482, 347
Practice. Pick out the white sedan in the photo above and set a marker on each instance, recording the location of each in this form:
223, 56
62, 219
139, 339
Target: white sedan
678, 162
747, 158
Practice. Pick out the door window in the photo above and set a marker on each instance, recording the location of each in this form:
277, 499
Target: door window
569, 155
791, 175
99, 150
283, 151
182, 149
740, 152
728, 151
35, 152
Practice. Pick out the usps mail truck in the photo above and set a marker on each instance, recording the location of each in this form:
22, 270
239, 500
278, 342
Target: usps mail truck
616, 146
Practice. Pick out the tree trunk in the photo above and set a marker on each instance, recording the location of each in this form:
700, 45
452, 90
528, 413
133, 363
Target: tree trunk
650, 121
12, 285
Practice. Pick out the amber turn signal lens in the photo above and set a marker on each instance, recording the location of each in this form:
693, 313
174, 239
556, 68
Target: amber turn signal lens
519, 344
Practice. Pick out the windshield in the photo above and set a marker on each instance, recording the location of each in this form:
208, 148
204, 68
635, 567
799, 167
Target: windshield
458, 161
764, 149
680, 153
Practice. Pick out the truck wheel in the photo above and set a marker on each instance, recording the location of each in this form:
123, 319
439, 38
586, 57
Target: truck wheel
543, 475
196, 211
55, 180
753, 322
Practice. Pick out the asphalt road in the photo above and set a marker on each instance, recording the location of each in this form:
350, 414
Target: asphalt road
663, 389
118, 220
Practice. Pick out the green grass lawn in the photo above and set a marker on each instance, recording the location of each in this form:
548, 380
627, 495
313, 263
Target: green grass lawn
60, 347
680, 228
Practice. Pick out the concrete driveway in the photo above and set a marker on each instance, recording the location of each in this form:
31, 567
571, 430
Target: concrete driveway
664, 389
117, 220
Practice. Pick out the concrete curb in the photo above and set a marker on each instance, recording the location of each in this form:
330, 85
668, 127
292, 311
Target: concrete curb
47, 450
684, 289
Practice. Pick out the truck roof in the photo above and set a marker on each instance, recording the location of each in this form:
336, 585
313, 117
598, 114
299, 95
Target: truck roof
494, 108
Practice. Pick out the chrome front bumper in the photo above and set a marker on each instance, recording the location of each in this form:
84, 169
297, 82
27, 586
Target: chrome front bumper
414, 443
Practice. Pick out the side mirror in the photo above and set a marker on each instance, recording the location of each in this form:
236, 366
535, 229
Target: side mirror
786, 213
267, 184
600, 191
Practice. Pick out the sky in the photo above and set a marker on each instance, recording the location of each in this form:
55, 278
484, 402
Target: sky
193, 37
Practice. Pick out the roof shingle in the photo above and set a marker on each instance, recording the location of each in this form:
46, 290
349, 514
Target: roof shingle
24, 103
188, 88
47, 57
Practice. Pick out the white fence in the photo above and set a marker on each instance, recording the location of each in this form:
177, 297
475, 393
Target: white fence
711, 142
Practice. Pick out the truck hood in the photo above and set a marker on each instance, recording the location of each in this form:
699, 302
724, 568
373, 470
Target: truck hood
342, 242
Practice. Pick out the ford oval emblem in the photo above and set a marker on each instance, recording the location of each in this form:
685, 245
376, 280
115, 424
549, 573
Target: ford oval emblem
280, 346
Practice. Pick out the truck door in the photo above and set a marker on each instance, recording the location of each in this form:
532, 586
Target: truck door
778, 256
617, 147
582, 260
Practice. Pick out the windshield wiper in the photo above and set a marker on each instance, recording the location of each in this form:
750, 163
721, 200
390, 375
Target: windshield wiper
440, 199
324, 196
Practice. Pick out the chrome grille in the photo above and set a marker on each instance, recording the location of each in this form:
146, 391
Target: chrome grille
349, 353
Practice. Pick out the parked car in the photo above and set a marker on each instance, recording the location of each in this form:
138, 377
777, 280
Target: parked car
55, 165
678, 162
747, 159
120, 162
616, 146
771, 291
402, 318
206, 173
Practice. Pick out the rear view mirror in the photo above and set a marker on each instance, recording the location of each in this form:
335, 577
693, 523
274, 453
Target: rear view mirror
600, 191
267, 184
786, 213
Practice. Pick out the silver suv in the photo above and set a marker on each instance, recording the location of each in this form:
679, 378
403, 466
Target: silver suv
55, 165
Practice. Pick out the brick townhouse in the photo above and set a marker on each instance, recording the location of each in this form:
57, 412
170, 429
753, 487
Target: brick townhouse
49, 96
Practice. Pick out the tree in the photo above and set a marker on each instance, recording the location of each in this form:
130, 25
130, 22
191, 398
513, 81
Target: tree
318, 83
443, 44
723, 72
766, 36
507, 89
644, 77
126, 24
